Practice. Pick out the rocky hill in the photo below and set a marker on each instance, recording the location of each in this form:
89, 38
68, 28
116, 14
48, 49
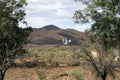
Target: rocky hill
52, 35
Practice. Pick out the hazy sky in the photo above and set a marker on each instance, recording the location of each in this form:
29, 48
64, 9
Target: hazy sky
57, 12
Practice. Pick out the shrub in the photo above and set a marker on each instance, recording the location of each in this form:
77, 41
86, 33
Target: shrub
41, 73
56, 56
78, 75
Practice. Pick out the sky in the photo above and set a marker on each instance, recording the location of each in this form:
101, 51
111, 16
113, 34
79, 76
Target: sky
56, 12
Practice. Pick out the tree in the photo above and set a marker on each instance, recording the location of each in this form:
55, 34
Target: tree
105, 16
12, 37
102, 65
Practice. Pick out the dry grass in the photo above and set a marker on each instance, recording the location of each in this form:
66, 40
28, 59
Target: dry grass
21, 74
56, 55
57, 62
58, 73
64, 73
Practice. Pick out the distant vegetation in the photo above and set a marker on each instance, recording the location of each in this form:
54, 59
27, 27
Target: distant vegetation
53, 56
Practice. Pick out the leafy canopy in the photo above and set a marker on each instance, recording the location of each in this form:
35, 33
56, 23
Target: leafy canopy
12, 37
105, 16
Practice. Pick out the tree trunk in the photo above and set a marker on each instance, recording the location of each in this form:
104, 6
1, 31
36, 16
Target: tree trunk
103, 77
2, 74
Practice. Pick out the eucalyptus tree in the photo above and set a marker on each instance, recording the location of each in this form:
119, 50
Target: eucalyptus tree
105, 18
12, 36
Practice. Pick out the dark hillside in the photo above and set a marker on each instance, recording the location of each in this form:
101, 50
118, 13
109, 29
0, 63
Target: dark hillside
51, 34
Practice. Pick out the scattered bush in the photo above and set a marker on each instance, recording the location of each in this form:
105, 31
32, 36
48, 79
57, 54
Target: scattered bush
54, 56
41, 74
78, 75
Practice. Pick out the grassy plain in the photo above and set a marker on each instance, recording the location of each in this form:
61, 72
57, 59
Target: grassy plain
51, 63
56, 55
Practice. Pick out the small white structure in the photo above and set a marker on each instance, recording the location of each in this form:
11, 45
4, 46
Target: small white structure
69, 41
66, 41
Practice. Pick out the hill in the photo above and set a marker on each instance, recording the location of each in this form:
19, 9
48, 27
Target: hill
52, 35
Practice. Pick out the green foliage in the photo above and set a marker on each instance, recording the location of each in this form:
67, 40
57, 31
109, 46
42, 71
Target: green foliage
105, 30
12, 37
41, 74
105, 16
78, 75
56, 56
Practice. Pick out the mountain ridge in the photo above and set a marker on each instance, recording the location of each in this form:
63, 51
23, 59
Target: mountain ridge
53, 35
